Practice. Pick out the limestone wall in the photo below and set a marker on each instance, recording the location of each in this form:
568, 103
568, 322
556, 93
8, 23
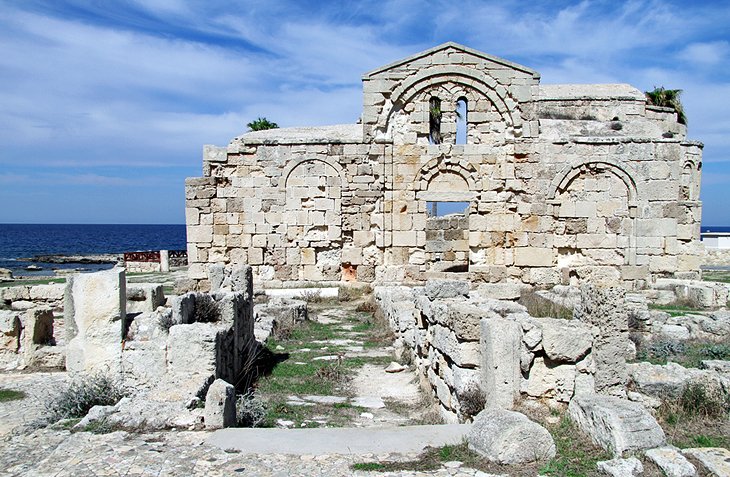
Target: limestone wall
564, 183
462, 342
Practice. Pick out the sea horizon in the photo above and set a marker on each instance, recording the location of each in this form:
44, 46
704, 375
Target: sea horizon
19, 243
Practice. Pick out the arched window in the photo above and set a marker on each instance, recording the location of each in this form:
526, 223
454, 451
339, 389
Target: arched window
434, 116
461, 120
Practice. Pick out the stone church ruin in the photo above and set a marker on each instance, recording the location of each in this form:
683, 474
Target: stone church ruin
550, 184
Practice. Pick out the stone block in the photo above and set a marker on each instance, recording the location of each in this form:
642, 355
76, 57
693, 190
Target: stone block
508, 437
144, 297
500, 354
533, 257
631, 467
615, 424
446, 288
671, 462
566, 341
551, 382
715, 459
220, 405
95, 306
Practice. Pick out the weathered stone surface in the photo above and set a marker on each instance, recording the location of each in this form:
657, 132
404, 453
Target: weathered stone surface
502, 291
508, 437
670, 380
142, 297
671, 462
500, 350
277, 313
220, 405
714, 459
615, 424
605, 309
555, 381
446, 288
630, 467
95, 309
6, 274
565, 340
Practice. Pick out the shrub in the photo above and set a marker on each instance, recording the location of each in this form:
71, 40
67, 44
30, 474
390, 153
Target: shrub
698, 400
367, 306
80, 395
471, 401
206, 309
250, 410
165, 322
312, 296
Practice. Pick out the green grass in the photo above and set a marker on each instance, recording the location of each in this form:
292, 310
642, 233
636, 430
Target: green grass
10, 395
716, 276
34, 281
698, 418
676, 309
576, 455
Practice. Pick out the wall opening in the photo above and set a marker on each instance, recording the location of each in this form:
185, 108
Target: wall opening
439, 209
434, 119
461, 120
447, 236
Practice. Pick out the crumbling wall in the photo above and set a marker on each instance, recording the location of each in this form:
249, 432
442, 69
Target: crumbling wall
464, 343
565, 184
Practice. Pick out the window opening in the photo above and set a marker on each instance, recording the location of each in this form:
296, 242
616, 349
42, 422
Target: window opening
461, 120
439, 209
434, 115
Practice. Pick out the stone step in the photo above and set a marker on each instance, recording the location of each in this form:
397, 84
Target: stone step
317, 441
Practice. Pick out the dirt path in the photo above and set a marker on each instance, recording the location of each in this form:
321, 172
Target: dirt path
332, 373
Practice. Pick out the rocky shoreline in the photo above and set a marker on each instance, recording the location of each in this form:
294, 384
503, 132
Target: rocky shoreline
85, 259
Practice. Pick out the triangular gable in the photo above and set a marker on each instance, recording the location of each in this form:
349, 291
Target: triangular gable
455, 46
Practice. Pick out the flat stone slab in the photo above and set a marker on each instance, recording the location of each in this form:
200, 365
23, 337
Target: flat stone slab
325, 399
318, 441
369, 402
715, 459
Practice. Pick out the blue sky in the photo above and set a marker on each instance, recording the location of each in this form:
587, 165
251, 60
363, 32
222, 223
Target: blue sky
105, 106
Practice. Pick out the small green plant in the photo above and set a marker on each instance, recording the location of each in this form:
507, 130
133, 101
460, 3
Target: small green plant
260, 124
206, 309
312, 296
668, 98
699, 400
11, 395
80, 395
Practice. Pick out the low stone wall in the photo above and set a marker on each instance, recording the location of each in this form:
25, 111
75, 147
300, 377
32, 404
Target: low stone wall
26, 340
463, 342
716, 257
22, 297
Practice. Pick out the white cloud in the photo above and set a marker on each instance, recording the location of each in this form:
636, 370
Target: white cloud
706, 54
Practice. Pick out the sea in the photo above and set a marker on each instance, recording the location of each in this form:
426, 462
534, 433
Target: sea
19, 243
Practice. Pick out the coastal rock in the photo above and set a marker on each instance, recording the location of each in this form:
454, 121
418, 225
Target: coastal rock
6, 274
